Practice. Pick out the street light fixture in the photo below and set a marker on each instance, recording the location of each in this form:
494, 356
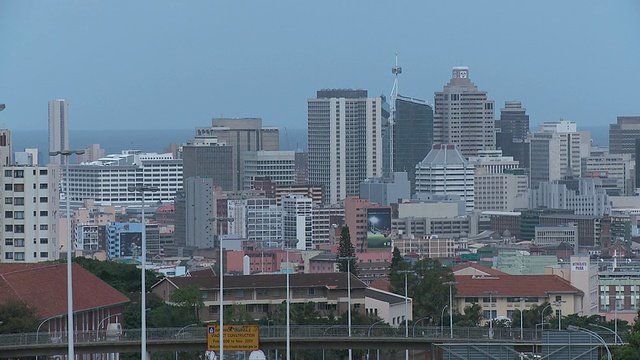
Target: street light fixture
369, 335
70, 343
415, 323
592, 333
559, 303
442, 318
616, 336
348, 259
406, 307
521, 325
142, 189
490, 293
451, 284
221, 274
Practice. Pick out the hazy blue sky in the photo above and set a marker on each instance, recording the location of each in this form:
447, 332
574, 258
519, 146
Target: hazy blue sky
177, 64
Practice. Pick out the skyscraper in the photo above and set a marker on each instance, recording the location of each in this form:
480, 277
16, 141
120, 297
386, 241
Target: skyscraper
412, 136
58, 129
463, 116
623, 135
345, 141
6, 151
514, 120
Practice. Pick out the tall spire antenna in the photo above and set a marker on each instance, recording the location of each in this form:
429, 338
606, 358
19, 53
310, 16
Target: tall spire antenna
396, 70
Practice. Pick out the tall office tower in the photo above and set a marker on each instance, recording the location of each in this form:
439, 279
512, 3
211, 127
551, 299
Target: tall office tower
464, 117
614, 170
345, 141
556, 152
58, 129
209, 158
325, 220
278, 166
412, 136
199, 208
444, 171
6, 152
623, 135
29, 232
297, 222
92, 153
513, 120
302, 167
241, 134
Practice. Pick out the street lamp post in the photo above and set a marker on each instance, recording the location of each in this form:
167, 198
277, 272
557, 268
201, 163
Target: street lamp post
559, 303
221, 274
616, 336
369, 335
415, 323
102, 321
594, 334
442, 319
288, 309
180, 332
450, 284
348, 259
70, 345
406, 307
142, 189
490, 293
521, 318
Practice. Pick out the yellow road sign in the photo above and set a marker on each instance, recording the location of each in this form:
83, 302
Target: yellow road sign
234, 337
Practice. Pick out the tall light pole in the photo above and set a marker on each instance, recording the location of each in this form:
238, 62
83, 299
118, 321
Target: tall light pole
559, 303
442, 319
450, 284
406, 307
142, 189
521, 318
221, 274
288, 309
490, 293
348, 259
369, 335
67, 195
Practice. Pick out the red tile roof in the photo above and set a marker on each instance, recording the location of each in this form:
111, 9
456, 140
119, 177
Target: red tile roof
513, 285
381, 284
479, 268
43, 286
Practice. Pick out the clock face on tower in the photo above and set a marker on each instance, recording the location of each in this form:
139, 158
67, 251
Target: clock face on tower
463, 74
455, 74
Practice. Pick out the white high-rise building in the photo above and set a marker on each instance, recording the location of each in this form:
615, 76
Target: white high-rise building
278, 166
29, 203
464, 116
345, 141
58, 129
444, 171
556, 152
493, 161
6, 151
297, 222
618, 168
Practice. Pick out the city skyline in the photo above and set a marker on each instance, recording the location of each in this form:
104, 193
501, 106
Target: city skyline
166, 66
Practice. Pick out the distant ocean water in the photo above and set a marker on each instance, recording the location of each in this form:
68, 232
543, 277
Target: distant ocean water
114, 141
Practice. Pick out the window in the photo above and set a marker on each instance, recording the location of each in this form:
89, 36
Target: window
18, 243
239, 293
8, 187
8, 242
44, 254
18, 201
44, 186
18, 187
18, 215
8, 255
8, 173
44, 241
19, 174
558, 298
18, 229
43, 172
8, 214
8, 228
8, 201
311, 291
44, 227
44, 199
44, 213
18, 256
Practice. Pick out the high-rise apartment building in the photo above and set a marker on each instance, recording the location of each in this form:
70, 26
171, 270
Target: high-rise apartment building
278, 166
345, 141
58, 129
556, 151
29, 203
412, 136
623, 135
444, 171
464, 116
92, 153
242, 135
297, 222
513, 120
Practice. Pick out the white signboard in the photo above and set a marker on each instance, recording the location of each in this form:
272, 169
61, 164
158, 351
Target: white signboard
578, 266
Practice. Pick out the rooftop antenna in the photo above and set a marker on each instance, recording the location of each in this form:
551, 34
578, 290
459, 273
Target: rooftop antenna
396, 70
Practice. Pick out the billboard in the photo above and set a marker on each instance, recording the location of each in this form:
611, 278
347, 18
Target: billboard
130, 244
379, 229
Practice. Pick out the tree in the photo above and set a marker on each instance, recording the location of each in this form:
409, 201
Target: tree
471, 317
632, 348
426, 289
346, 250
189, 297
396, 278
18, 317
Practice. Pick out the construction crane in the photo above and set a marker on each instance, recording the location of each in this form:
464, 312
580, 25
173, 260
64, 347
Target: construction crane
396, 70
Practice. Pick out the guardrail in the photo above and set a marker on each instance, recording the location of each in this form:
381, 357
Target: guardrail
276, 332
